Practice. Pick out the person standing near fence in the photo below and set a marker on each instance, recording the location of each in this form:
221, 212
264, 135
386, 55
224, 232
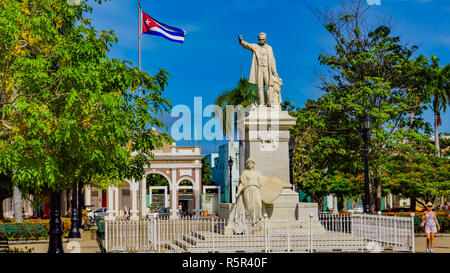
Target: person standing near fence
431, 226
180, 209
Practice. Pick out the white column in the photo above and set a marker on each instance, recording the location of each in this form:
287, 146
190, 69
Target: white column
166, 200
116, 201
134, 211
198, 182
110, 204
173, 194
335, 205
390, 200
87, 195
143, 192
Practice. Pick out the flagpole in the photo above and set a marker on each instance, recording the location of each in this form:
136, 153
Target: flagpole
139, 34
139, 39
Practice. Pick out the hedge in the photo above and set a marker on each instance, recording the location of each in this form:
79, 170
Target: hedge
30, 229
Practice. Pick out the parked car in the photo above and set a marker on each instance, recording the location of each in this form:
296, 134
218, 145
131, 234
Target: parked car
357, 209
100, 213
164, 212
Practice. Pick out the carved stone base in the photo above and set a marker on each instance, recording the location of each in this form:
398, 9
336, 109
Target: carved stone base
284, 207
267, 141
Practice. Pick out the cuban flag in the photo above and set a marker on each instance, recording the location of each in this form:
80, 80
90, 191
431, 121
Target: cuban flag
153, 27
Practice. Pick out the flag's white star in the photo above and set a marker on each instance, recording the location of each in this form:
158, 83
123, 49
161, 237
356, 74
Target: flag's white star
147, 22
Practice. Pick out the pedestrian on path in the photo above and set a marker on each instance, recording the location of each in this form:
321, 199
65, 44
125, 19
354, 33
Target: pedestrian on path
431, 226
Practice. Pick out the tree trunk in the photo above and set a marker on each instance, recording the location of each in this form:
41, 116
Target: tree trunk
340, 203
2, 216
372, 199
68, 205
436, 132
318, 199
378, 194
80, 204
17, 201
412, 202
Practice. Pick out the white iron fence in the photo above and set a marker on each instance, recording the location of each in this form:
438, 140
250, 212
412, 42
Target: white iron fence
327, 233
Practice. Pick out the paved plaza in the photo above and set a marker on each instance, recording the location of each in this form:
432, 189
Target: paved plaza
441, 244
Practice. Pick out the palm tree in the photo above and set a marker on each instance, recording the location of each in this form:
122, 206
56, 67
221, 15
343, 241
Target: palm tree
439, 88
243, 94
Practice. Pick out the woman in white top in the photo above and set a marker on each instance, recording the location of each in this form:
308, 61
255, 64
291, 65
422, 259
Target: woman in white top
431, 226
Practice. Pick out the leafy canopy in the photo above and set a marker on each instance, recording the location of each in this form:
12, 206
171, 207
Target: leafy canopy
68, 111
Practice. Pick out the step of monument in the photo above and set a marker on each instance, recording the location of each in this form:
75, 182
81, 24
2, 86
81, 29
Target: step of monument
277, 249
172, 247
320, 245
208, 235
191, 239
182, 244
275, 243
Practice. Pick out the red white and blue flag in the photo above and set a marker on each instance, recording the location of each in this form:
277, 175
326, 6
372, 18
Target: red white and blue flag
153, 27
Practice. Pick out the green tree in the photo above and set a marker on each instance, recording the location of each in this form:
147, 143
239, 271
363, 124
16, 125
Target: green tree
69, 112
206, 172
370, 72
156, 180
416, 172
321, 158
5, 190
438, 86
243, 94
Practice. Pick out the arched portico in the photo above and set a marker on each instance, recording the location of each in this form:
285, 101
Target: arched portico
147, 186
186, 194
122, 201
175, 164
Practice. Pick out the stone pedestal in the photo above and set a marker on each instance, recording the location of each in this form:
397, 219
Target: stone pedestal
267, 143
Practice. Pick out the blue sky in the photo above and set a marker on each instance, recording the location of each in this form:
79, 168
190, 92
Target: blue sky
211, 60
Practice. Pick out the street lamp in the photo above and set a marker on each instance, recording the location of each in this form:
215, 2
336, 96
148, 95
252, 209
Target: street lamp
366, 125
230, 165
74, 231
55, 231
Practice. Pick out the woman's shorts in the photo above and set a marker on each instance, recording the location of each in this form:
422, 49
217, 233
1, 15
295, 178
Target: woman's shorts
429, 229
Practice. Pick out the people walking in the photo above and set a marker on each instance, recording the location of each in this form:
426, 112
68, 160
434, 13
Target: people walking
180, 209
431, 226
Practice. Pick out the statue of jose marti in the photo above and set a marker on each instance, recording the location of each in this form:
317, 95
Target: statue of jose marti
263, 65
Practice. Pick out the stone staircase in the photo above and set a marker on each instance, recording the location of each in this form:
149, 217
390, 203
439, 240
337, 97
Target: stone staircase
207, 241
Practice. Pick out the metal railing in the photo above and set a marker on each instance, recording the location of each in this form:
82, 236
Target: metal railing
127, 236
325, 233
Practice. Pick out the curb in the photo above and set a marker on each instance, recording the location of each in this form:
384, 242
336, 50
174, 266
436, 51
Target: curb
435, 235
26, 242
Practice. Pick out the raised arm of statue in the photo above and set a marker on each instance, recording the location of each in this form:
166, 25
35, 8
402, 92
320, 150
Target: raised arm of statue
244, 44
